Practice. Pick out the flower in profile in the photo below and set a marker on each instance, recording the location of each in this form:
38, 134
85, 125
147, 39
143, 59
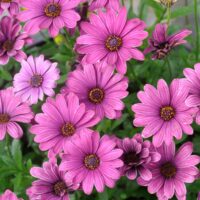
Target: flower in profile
61, 119
99, 88
172, 172
51, 183
137, 155
12, 111
12, 6
96, 4
12, 40
163, 112
167, 3
92, 161
9, 195
52, 15
193, 83
36, 78
110, 37
160, 44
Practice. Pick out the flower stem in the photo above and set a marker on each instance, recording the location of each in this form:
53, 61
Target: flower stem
197, 29
168, 14
169, 67
8, 145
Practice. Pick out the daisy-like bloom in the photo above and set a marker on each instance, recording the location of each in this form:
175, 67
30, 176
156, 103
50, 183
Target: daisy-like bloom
193, 82
12, 110
137, 154
12, 40
163, 112
61, 119
99, 88
12, 6
110, 37
36, 78
96, 4
51, 14
51, 184
161, 44
166, 2
172, 172
92, 161
9, 195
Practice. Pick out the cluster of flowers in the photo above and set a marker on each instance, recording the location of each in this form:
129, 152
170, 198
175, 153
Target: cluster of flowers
94, 91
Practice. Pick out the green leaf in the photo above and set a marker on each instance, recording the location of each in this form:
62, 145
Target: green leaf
16, 153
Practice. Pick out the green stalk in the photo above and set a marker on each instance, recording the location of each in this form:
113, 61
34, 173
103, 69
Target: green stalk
168, 14
169, 67
197, 29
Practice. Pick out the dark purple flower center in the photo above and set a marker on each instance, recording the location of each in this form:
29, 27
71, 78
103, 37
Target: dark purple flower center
168, 170
113, 43
7, 45
36, 80
163, 49
60, 188
4, 118
91, 161
131, 159
68, 129
52, 10
96, 95
167, 113
5, 1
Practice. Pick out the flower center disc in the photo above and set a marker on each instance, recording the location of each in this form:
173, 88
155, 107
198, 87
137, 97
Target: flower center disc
52, 10
96, 95
36, 80
131, 158
113, 43
4, 118
7, 45
91, 161
5, 1
60, 188
68, 129
168, 170
167, 113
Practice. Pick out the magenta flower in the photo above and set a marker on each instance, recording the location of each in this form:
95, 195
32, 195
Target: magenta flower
160, 44
92, 161
198, 196
137, 154
193, 77
12, 40
51, 14
9, 195
99, 88
36, 78
61, 119
12, 6
51, 184
110, 37
163, 112
12, 111
172, 172
96, 4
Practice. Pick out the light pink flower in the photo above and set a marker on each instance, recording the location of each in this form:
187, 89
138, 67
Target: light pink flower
60, 121
36, 78
96, 4
163, 112
12, 111
172, 172
12, 6
160, 44
99, 88
9, 195
51, 184
50, 14
92, 161
110, 37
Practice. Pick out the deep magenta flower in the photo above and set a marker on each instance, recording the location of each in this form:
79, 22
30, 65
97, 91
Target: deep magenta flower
12, 40
96, 4
193, 77
163, 112
12, 111
36, 78
172, 172
99, 88
92, 161
51, 184
61, 119
9, 195
137, 154
51, 14
12, 6
160, 44
110, 37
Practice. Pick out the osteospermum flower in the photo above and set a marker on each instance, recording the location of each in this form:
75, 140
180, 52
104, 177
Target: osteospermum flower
12, 111
137, 154
172, 172
193, 77
198, 196
163, 112
12, 40
92, 161
51, 184
110, 37
36, 78
9, 195
61, 119
96, 4
12, 6
52, 15
160, 44
99, 88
